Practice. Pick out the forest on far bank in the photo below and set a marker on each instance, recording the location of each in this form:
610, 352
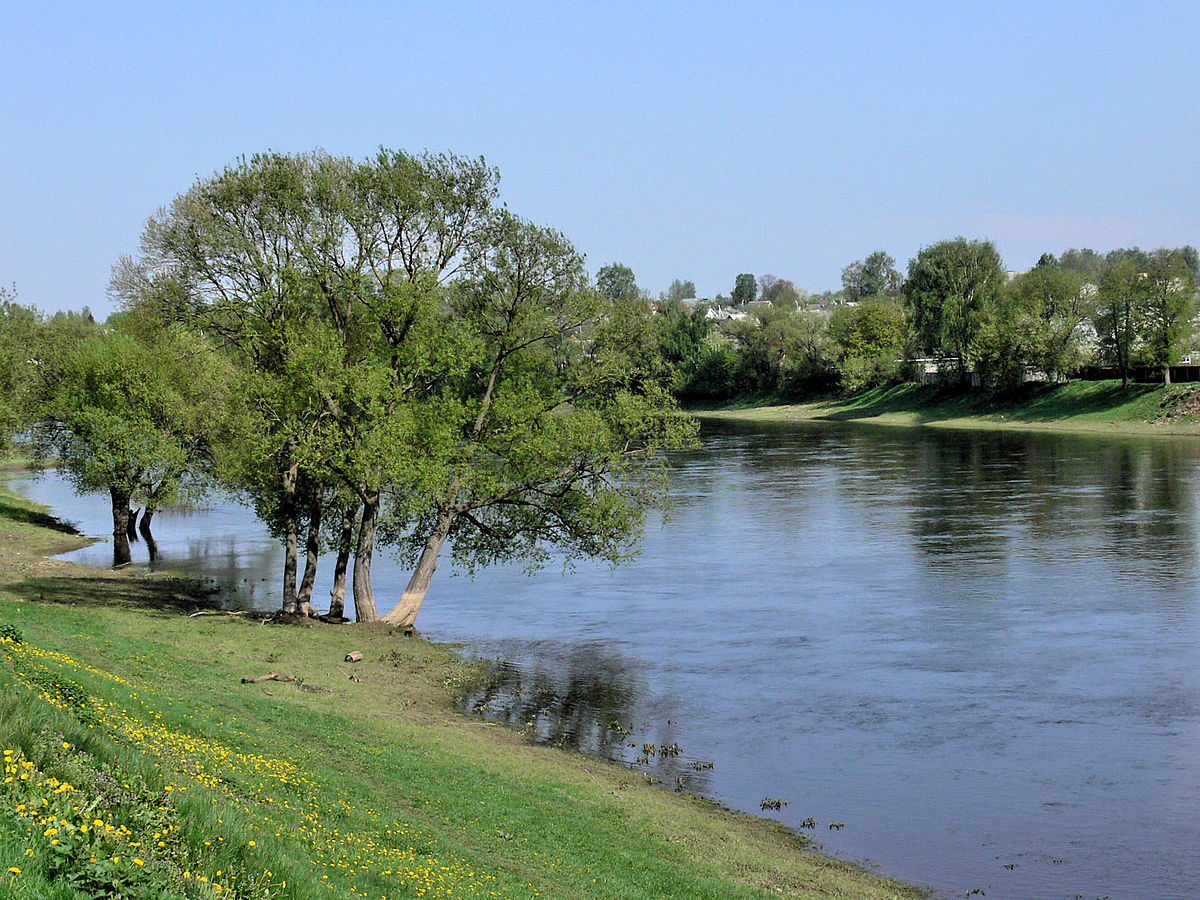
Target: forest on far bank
957, 316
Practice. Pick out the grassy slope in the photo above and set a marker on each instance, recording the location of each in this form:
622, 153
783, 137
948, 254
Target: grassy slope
1083, 406
329, 787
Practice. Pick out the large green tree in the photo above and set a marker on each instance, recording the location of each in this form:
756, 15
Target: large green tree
871, 277
950, 286
19, 334
617, 282
130, 419
745, 289
322, 278
1036, 322
1169, 304
234, 258
872, 339
553, 438
1120, 309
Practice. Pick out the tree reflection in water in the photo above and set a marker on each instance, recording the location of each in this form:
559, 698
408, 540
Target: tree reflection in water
585, 700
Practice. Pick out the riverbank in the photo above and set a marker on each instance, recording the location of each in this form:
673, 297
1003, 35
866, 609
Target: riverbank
1081, 407
127, 689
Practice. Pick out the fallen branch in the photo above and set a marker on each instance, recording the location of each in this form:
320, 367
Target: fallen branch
349, 675
270, 676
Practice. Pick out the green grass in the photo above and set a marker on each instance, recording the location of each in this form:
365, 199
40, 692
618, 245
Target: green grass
321, 787
1084, 406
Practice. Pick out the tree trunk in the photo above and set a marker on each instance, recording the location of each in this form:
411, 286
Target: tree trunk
405, 612
312, 549
291, 541
337, 597
120, 514
364, 598
1167, 374
144, 528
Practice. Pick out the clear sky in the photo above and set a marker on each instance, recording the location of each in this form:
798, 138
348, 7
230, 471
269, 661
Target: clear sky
694, 140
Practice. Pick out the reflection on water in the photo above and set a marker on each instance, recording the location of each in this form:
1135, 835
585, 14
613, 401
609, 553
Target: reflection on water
981, 652
587, 698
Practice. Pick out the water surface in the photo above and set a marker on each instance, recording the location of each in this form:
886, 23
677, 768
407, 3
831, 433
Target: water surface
978, 651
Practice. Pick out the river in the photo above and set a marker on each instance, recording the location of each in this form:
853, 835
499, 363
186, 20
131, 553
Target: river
971, 659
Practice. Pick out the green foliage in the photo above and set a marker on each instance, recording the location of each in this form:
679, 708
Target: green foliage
950, 287
616, 282
1170, 303
1120, 309
1037, 322
551, 438
745, 289
871, 339
681, 290
781, 292
125, 416
19, 334
11, 632
781, 352
681, 336
871, 277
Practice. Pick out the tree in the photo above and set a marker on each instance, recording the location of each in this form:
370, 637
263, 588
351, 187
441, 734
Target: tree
1038, 320
130, 419
616, 282
871, 277
1119, 308
950, 285
745, 289
680, 335
19, 332
322, 279
1170, 303
554, 438
871, 339
233, 258
681, 290
781, 351
1085, 262
780, 292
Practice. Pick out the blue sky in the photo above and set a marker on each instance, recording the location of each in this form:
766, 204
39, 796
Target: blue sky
693, 140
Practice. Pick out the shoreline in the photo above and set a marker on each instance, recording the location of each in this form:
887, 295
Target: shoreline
1100, 409
76, 609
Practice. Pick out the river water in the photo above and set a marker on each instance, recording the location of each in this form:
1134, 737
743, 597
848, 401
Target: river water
976, 656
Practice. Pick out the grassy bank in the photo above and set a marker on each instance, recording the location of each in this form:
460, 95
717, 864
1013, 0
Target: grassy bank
138, 765
1081, 406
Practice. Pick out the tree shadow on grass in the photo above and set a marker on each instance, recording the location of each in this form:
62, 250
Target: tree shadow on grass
161, 593
16, 513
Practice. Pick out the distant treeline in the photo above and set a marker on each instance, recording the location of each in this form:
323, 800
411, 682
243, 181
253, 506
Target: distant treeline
956, 316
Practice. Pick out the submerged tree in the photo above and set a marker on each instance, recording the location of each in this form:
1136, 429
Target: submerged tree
131, 420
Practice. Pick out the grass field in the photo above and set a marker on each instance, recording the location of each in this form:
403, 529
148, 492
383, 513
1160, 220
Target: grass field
138, 765
1080, 406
